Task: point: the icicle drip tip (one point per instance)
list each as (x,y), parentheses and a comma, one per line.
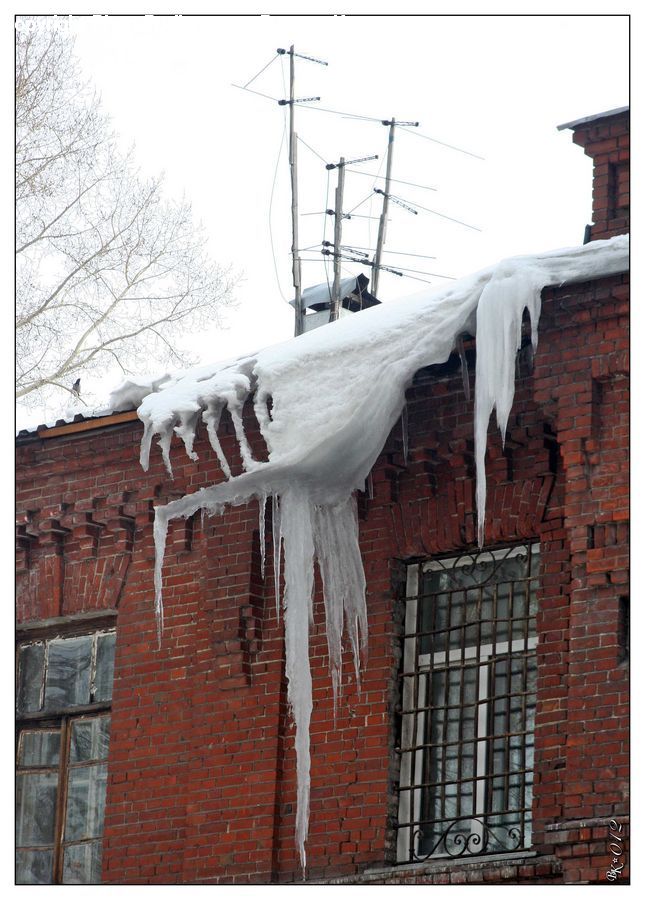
(277,549)
(160,533)
(262,503)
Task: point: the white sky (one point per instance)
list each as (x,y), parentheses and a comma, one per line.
(497,86)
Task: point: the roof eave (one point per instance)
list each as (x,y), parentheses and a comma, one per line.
(44,432)
(586,120)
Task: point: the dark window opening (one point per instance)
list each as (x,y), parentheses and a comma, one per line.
(623,629)
(618,190)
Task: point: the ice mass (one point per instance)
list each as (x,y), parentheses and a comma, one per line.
(325,403)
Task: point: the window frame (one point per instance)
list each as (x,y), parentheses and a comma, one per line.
(64,726)
(71,709)
(417,669)
(61,720)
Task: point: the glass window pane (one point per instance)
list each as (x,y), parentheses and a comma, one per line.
(39,748)
(35,808)
(31,661)
(534,585)
(34,866)
(90,739)
(82,863)
(104,666)
(68,673)
(85,802)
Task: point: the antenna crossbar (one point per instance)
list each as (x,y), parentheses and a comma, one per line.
(351,161)
(397,201)
(291,52)
(363,262)
(299,100)
(396,122)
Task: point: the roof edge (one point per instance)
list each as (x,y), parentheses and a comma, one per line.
(44,432)
(587,119)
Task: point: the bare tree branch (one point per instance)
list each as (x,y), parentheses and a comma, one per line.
(107,269)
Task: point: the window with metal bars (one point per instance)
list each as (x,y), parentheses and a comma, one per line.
(468,705)
(63,702)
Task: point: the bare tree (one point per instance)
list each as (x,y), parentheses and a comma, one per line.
(107,269)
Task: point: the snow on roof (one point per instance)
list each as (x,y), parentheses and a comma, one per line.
(338,363)
(127,395)
(130,393)
(586,120)
(325,403)
(321,293)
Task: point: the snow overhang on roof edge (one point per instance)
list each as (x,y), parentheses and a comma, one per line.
(128,395)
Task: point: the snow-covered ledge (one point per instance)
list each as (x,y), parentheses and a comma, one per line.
(334,395)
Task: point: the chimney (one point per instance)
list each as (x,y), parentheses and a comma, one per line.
(316,300)
(605,138)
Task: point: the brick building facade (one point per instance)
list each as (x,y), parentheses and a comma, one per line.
(523,781)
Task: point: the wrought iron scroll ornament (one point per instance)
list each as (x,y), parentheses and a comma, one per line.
(482,567)
(473,844)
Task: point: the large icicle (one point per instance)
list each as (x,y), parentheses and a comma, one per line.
(277,548)
(160,533)
(499,337)
(516,285)
(298,589)
(339,558)
(262,502)
(211,416)
(325,403)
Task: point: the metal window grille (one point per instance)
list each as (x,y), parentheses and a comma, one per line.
(468,705)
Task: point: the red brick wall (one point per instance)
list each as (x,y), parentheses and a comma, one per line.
(202,764)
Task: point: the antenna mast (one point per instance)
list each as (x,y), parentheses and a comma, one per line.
(337,212)
(338,237)
(293,165)
(382,225)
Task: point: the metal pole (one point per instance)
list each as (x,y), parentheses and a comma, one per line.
(293,165)
(382,227)
(338,228)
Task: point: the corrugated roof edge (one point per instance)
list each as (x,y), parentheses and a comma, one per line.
(586,119)
(79,422)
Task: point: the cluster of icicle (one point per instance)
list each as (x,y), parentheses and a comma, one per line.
(325,403)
